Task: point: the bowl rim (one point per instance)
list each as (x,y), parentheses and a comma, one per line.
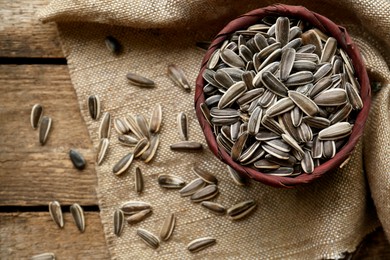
(344,41)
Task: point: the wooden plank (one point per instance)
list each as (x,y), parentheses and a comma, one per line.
(31,174)
(22,35)
(23,235)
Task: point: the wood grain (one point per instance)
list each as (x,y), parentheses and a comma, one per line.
(23,235)
(31,174)
(22,35)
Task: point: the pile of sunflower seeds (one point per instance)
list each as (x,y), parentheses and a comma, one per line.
(281,96)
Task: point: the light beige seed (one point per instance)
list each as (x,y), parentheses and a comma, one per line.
(200,244)
(204,175)
(353,97)
(286,63)
(120,126)
(56,213)
(329,50)
(336,131)
(102,150)
(239,146)
(155,119)
(214,207)
(232,94)
(282,30)
(241,209)
(138,180)
(205,193)
(177,75)
(182,124)
(44,129)
(186,146)
(119,222)
(273,84)
(132,207)
(331,97)
(93,103)
(149,238)
(192,187)
(44,256)
(139,81)
(231,58)
(168,227)
(149,154)
(170,181)
(36,115)
(304,103)
(78,216)
(139,216)
(128,140)
(123,164)
(105,126)
(141,147)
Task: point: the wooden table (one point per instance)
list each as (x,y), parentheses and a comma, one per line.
(33,70)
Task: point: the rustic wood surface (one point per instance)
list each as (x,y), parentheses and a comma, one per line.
(32,175)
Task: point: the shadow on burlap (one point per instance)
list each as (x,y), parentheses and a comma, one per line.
(322,219)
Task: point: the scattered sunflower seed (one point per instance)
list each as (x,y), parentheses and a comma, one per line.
(102,150)
(200,244)
(204,175)
(170,181)
(123,164)
(138,180)
(182,123)
(242,209)
(149,238)
(56,213)
(119,222)
(78,216)
(36,115)
(140,81)
(139,216)
(44,256)
(94,106)
(214,207)
(192,187)
(177,75)
(113,44)
(105,126)
(44,129)
(168,227)
(132,207)
(186,146)
(206,193)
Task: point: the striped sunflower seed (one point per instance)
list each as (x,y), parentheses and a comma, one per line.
(132,207)
(204,175)
(312,38)
(329,50)
(170,181)
(123,164)
(120,126)
(329,149)
(182,123)
(139,216)
(192,187)
(317,149)
(133,126)
(56,213)
(303,102)
(214,59)
(299,78)
(105,126)
(94,106)
(281,106)
(200,244)
(241,210)
(354,97)
(140,81)
(36,115)
(141,147)
(232,94)
(119,222)
(113,45)
(206,193)
(102,150)
(336,131)
(127,140)
(44,129)
(296,116)
(273,84)
(186,146)
(149,154)
(44,256)
(239,146)
(78,216)
(176,74)
(216,208)
(286,63)
(255,121)
(231,58)
(307,163)
(236,177)
(149,238)
(155,119)
(323,71)
(206,112)
(142,125)
(266,164)
(138,180)
(167,227)
(282,30)
(331,97)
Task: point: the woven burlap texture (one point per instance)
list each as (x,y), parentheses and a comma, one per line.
(322,219)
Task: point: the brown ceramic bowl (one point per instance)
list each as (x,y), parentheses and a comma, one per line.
(344,41)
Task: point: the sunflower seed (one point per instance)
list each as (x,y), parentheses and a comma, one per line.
(282,29)
(286,63)
(214,59)
(296,116)
(44,256)
(102,150)
(123,164)
(305,133)
(120,126)
(44,129)
(321,85)
(301,56)
(140,81)
(295,32)
(317,150)
(78,216)
(292,142)
(77,159)
(281,106)
(141,147)
(279,144)
(242,209)
(272,67)
(238,146)
(304,103)
(307,163)
(323,71)
(149,154)
(216,208)
(139,216)
(113,44)
(267,51)
(336,131)
(186,146)
(312,38)
(132,207)
(273,84)
(223,78)
(331,97)
(176,74)
(182,124)
(127,140)
(105,126)
(251,152)
(299,78)
(206,193)
(245,53)
(254,121)
(281,172)
(272,125)
(199,244)
(266,100)
(275,152)
(258,27)
(294,44)
(353,97)
(274,56)
(192,187)
(232,94)
(138,180)
(204,175)
(250,96)
(119,217)
(170,181)
(168,227)
(142,125)
(133,126)
(231,58)
(329,149)
(304,65)
(149,238)
(36,115)
(56,213)
(341,114)
(237,177)
(329,50)
(260,41)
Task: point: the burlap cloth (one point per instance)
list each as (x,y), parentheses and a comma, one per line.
(319,220)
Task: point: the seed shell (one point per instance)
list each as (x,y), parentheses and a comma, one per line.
(200,244)
(192,187)
(123,164)
(56,213)
(304,103)
(36,115)
(132,207)
(149,154)
(149,238)
(206,193)
(138,180)
(105,126)
(139,216)
(176,74)
(119,222)
(182,123)
(78,216)
(140,81)
(168,227)
(214,207)
(170,181)
(204,175)
(113,44)
(44,129)
(242,209)
(155,119)
(102,150)
(141,147)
